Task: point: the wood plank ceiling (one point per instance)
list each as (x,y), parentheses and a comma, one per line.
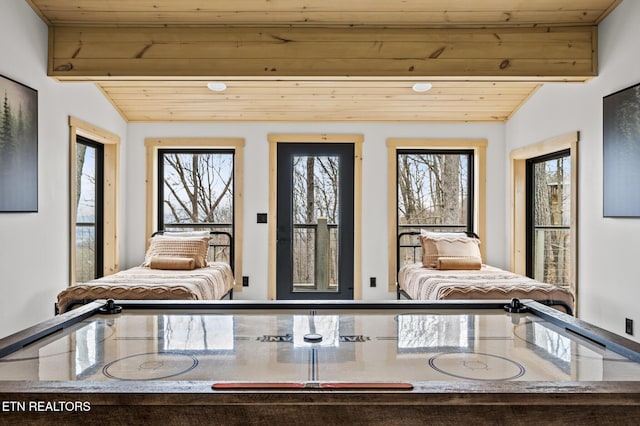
(330,60)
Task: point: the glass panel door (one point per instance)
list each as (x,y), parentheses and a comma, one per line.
(549,222)
(315,221)
(88,229)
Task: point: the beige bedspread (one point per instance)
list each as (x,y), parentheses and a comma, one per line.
(140,283)
(488,283)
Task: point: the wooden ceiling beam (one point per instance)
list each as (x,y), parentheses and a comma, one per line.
(556,53)
(386,13)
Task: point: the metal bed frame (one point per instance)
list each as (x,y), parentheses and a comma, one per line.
(231,246)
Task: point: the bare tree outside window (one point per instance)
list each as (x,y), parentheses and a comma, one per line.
(551,215)
(433,194)
(315,204)
(197,193)
(86,213)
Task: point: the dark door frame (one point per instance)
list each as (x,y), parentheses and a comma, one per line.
(530,203)
(284,225)
(99,207)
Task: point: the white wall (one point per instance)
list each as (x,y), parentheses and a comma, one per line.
(256,190)
(609,283)
(34,247)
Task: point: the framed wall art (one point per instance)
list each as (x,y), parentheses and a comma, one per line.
(18,147)
(621,153)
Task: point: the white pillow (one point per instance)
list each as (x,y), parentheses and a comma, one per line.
(447,244)
(191,247)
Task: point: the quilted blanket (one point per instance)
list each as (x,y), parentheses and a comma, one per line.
(488,283)
(141,283)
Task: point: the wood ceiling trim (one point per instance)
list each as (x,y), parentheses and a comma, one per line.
(123,113)
(557,52)
(326,13)
(316,116)
(299,60)
(608,10)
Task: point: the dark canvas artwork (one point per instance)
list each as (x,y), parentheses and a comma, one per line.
(18,147)
(621,151)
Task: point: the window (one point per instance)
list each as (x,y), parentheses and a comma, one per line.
(549,218)
(544,200)
(93,201)
(195,192)
(436,185)
(196,184)
(434,192)
(89,209)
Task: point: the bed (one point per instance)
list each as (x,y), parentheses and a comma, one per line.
(177,266)
(469,279)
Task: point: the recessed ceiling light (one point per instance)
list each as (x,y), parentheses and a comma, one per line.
(421,87)
(217,86)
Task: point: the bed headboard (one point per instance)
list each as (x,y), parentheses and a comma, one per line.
(413,252)
(221,246)
(413,249)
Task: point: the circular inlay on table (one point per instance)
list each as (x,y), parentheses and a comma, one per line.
(476,366)
(150,366)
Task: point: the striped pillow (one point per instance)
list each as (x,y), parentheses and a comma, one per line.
(195,248)
(437,245)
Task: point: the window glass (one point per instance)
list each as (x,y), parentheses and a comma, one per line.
(434,192)
(550,210)
(316,208)
(196,193)
(88,211)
